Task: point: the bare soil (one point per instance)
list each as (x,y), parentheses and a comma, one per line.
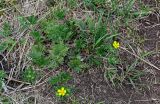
(92,87)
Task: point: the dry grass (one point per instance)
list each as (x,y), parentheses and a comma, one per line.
(93,87)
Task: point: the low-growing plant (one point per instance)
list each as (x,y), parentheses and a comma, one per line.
(29,75)
(59,13)
(112,60)
(37,55)
(99,2)
(59,83)
(2,76)
(37,36)
(5,100)
(77,64)
(23,22)
(55,31)
(84,43)
(72,3)
(62,91)
(61,78)
(7,44)
(32,19)
(120,76)
(6,30)
(57,54)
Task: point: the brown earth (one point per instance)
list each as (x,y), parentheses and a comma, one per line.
(93,88)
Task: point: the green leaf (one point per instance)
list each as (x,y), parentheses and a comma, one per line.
(57,32)
(112,59)
(91,24)
(81,24)
(106,37)
(80,44)
(29,75)
(101,51)
(37,55)
(62,77)
(23,22)
(59,13)
(32,19)
(3,46)
(99,2)
(36,35)
(6,30)
(7,44)
(141,13)
(72,3)
(5,100)
(2,74)
(57,54)
(94,61)
(76,64)
(129,5)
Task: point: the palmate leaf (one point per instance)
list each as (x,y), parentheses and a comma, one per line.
(62,77)
(77,65)
(58,52)
(37,55)
(6,30)
(56,32)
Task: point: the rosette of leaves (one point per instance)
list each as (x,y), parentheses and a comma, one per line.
(77,64)
(56,32)
(37,55)
(57,54)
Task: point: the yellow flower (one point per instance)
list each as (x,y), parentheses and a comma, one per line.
(116,44)
(62,91)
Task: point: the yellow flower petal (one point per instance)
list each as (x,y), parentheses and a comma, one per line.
(116,44)
(61,92)
(62,88)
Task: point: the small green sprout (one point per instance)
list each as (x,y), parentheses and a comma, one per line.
(29,75)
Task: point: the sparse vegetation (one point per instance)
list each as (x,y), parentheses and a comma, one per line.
(73,47)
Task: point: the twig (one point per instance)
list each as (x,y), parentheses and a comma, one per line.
(147,62)
(15,80)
